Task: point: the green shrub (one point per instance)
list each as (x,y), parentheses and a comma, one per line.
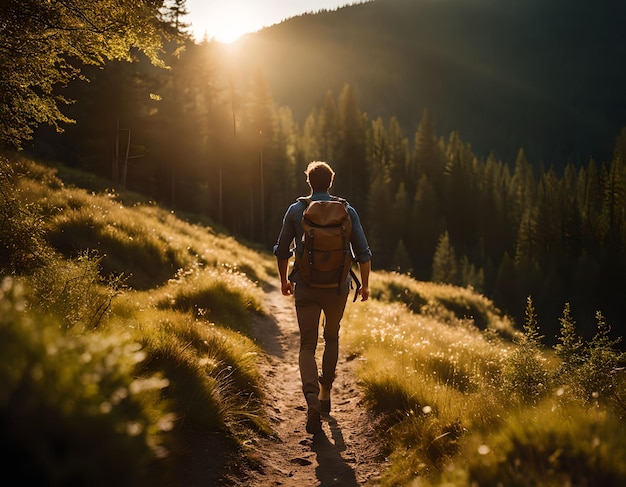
(74,290)
(22,244)
(590,370)
(525,373)
(72,412)
(552,446)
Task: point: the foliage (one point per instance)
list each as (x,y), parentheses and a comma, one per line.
(456,407)
(44,44)
(552,446)
(79,342)
(71,400)
(525,372)
(592,370)
(74,290)
(22,245)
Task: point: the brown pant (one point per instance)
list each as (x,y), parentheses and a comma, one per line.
(310,302)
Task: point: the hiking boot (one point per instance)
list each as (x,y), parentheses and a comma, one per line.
(324,398)
(313,415)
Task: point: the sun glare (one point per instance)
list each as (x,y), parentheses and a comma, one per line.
(227,25)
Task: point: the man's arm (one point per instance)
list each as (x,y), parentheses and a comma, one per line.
(364,270)
(286,287)
(283,252)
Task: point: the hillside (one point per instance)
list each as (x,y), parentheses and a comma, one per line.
(180,366)
(545,76)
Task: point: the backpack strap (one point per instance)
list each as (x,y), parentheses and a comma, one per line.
(358,284)
(305,200)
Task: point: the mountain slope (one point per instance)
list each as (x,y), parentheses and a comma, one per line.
(545,76)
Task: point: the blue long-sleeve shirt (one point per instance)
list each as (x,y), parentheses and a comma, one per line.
(292,231)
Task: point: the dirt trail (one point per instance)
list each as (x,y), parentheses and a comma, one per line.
(345,452)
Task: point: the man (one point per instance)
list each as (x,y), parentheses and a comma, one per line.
(312,301)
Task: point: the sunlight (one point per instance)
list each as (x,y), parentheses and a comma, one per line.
(228,23)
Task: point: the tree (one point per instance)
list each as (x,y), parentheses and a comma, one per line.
(521,188)
(570,350)
(525,373)
(351,158)
(445,266)
(425,225)
(328,129)
(400,260)
(380,226)
(615,193)
(427,157)
(44,45)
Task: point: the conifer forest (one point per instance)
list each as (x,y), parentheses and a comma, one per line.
(201,139)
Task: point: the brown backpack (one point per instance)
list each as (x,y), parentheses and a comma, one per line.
(326,259)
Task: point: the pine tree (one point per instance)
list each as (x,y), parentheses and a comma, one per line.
(400,260)
(571,349)
(521,188)
(614,207)
(398,156)
(328,129)
(549,225)
(351,158)
(427,158)
(425,226)
(400,209)
(526,259)
(379,162)
(380,233)
(525,373)
(445,266)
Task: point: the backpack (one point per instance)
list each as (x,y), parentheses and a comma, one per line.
(326,258)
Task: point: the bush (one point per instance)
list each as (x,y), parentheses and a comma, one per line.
(591,370)
(71,410)
(525,373)
(74,290)
(22,246)
(551,446)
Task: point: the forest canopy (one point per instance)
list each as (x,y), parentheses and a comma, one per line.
(46,44)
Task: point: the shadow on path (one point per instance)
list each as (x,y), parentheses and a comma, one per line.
(332,469)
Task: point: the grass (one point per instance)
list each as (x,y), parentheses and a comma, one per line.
(135,320)
(123,322)
(460,404)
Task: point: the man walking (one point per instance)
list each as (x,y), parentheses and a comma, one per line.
(311,300)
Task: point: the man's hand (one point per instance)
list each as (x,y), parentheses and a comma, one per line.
(365,293)
(286,287)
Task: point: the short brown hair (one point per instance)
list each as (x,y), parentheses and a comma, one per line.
(319,175)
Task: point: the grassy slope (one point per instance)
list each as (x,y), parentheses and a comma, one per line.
(162,310)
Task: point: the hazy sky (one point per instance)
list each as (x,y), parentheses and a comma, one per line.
(226,20)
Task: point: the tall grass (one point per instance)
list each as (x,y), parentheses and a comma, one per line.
(130,332)
(460,404)
(69,401)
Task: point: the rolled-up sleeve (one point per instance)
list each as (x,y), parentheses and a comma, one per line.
(360,247)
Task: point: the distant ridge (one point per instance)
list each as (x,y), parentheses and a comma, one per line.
(548,76)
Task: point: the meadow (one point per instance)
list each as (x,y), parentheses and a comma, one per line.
(125,327)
